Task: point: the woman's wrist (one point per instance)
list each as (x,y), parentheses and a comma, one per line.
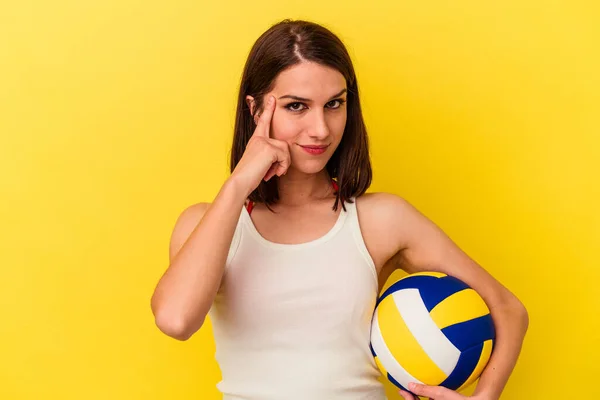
(235,187)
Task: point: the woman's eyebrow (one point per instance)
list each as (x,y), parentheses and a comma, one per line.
(290,96)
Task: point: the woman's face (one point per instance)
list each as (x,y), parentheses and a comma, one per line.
(310,114)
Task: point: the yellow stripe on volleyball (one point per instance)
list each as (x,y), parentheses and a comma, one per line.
(429,273)
(393,278)
(403,345)
(486,353)
(460,307)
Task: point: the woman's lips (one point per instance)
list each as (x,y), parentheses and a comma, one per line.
(314,150)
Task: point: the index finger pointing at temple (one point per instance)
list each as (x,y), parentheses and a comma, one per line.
(263,127)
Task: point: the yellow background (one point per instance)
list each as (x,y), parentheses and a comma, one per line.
(117,114)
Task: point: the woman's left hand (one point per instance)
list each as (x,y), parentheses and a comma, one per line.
(433,392)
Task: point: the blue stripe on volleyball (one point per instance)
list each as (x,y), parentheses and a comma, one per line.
(432,295)
(464,367)
(470,333)
(372,351)
(433,290)
(395,382)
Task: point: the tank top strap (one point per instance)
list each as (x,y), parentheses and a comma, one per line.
(250,204)
(353,225)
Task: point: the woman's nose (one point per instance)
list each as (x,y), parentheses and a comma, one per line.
(319,128)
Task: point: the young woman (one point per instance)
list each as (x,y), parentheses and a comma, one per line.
(289,257)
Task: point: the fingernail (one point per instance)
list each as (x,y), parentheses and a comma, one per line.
(412,386)
(270,100)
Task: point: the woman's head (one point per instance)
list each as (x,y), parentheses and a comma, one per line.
(308,70)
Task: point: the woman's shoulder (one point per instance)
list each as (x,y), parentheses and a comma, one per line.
(382,205)
(384,212)
(191,214)
(391,218)
(383,219)
(185,223)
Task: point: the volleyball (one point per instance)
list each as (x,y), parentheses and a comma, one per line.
(433,329)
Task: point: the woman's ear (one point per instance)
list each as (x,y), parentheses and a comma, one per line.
(251,105)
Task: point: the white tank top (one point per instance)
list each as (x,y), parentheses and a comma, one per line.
(293,321)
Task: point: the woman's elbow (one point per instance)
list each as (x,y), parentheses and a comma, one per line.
(523,314)
(517,310)
(174,325)
(173,329)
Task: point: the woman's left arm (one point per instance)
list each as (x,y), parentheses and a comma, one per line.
(423,246)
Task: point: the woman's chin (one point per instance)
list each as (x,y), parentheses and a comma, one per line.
(309,168)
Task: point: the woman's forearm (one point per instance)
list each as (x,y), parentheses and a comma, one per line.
(511,321)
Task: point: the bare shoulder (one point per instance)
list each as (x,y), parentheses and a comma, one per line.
(184,225)
(385,210)
(382,203)
(383,218)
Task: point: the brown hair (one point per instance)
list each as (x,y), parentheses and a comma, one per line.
(285,44)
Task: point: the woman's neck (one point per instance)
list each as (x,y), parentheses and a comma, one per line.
(298,189)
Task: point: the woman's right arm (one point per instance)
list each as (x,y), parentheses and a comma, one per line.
(203,234)
(198,250)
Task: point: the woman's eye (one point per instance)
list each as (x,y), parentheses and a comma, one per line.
(339,103)
(294,106)
(333,104)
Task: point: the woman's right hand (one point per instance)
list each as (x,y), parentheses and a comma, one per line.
(264,156)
